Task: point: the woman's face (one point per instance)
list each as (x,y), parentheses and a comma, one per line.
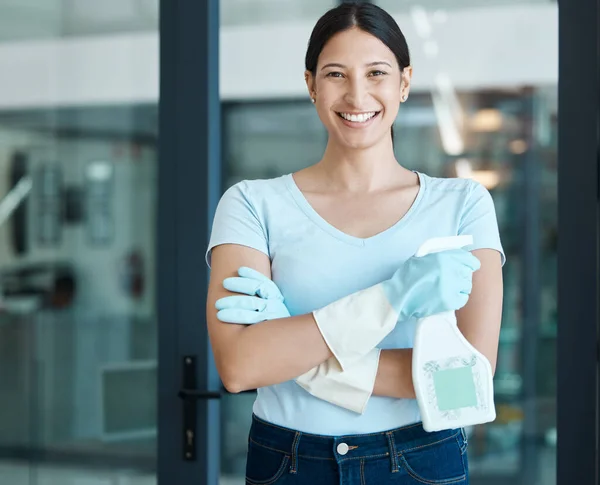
(358,88)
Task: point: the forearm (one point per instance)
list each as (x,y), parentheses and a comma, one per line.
(272,352)
(394,375)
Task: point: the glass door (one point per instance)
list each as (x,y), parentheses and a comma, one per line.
(78,206)
(483,105)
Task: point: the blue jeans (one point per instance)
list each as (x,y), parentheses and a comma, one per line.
(403,456)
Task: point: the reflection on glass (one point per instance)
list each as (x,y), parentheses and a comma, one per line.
(270,139)
(78,343)
(500,145)
(256,12)
(460,122)
(495,153)
(438,7)
(40,19)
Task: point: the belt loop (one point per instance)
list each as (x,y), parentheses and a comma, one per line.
(465,441)
(295,444)
(393,452)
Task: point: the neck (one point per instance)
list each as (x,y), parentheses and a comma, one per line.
(361,170)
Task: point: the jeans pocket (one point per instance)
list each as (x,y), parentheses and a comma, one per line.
(439,463)
(264,466)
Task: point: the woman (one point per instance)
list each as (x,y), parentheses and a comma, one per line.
(332,361)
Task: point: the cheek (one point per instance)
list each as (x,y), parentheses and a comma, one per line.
(390,94)
(323,112)
(327,95)
(325,100)
(390,97)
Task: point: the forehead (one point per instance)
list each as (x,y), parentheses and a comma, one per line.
(355,46)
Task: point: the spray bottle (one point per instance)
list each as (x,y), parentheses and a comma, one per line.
(453,381)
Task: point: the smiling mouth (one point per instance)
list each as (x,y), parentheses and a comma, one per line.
(359,118)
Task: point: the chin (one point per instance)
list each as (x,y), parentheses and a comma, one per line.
(357,139)
(360,142)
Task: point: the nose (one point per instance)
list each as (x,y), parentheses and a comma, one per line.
(357,92)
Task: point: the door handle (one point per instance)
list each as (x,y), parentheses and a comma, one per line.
(190,395)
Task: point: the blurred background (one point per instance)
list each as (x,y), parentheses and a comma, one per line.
(78,201)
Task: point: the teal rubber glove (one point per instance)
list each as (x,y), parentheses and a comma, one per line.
(354,325)
(431,284)
(422,286)
(260,299)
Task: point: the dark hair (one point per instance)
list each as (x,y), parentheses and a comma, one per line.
(367,17)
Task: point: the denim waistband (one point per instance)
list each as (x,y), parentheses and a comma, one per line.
(349,447)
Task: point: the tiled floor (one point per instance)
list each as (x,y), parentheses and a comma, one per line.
(14,473)
(20,474)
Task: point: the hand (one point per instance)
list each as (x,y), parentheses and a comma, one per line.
(262,299)
(431,284)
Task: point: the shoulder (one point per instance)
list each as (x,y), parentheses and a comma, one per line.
(242,214)
(256,190)
(252,195)
(459,195)
(451,185)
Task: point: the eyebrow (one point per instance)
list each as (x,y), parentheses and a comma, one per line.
(370,64)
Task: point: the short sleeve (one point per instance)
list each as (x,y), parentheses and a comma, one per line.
(479,220)
(236,221)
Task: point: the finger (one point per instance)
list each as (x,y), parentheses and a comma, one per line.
(462,301)
(475,263)
(267,288)
(252,287)
(467,287)
(470,261)
(244,317)
(246,272)
(269,291)
(241,302)
(241,285)
(464,257)
(464,272)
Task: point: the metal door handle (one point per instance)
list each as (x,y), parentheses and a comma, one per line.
(190,396)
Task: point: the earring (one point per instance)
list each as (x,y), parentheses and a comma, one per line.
(313,100)
(404,98)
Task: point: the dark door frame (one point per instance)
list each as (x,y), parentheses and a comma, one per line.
(578,241)
(188,188)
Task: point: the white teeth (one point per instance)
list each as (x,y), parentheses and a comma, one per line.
(359,118)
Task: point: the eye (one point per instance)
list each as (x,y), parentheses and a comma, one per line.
(335,74)
(377,73)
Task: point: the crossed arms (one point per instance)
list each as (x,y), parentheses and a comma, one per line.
(275,351)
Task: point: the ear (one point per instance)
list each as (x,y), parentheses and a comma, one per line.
(310,84)
(405,80)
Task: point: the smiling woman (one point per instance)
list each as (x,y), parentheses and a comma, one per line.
(315,291)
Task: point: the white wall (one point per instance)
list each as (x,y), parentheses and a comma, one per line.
(477,48)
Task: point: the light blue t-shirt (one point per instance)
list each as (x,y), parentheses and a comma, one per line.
(315,264)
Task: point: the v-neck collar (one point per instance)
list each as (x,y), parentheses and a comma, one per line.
(312,214)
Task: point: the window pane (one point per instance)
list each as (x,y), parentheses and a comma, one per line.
(51,19)
(483,105)
(78,135)
(490,112)
(399,6)
(256,12)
